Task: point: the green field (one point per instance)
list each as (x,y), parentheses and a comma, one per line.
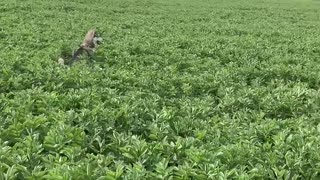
(180,89)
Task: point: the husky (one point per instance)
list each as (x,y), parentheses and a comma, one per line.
(89,46)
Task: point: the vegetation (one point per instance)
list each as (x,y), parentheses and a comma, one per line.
(180,89)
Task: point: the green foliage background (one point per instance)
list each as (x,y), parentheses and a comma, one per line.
(180,89)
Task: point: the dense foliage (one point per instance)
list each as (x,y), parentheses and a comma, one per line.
(180,89)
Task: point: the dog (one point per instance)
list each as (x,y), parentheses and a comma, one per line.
(89,46)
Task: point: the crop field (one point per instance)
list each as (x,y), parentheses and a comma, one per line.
(179,89)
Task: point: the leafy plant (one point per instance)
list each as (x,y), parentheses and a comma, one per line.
(179,89)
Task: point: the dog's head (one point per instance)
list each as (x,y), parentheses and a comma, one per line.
(97,40)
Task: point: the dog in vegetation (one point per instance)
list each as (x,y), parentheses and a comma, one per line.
(89,46)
